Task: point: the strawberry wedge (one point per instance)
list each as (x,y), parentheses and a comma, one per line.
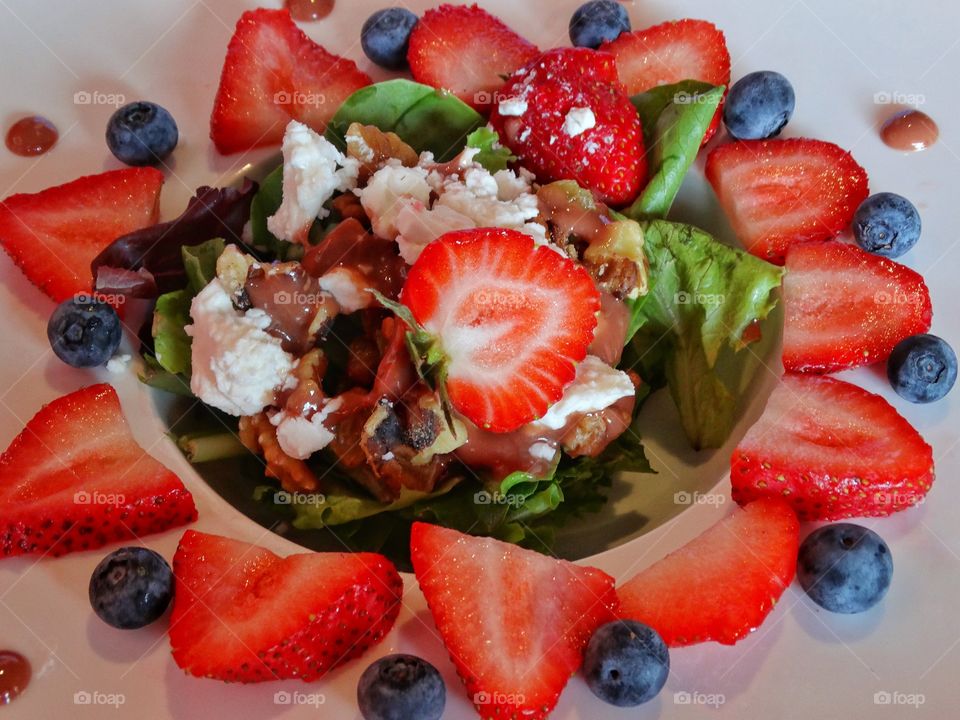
(777,193)
(844,307)
(244,614)
(75,479)
(466,50)
(55,234)
(507,322)
(721,585)
(274,73)
(833,451)
(515,622)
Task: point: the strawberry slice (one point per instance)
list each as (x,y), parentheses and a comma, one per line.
(466,50)
(780,192)
(722,584)
(515,622)
(565,116)
(510,319)
(844,307)
(833,450)
(274,73)
(669,53)
(55,234)
(243,614)
(75,479)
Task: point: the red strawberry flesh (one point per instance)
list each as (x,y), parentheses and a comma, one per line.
(274,73)
(721,585)
(242,613)
(845,307)
(513,320)
(515,622)
(466,50)
(777,193)
(55,234)
(75,479)
(833,451)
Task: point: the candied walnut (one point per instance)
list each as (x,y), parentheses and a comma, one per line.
(615,275)
(260,436)
(373,147)
(348,206)
(307,397)
(594,431)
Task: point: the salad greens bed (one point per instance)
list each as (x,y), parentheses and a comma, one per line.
(686,334)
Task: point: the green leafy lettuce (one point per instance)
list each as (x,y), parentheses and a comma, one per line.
(492,156)
(692,324)
(169,366)
(424,117)
(674,118)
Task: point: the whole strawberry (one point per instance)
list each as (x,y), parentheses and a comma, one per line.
(567,116)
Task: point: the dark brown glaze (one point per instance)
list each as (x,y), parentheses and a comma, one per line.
(376,261)
(611,333)
(309,10)
(31,136)
(292,299)
(909,131)
(15,674)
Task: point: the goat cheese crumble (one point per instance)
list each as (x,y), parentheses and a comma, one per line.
(597,386)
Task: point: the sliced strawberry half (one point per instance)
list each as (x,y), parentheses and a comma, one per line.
(515,622)
(844,307)
(780,192)
(670,53)
(566,116)
(466,50)
(510,321)
(832,450)
(55,234)
(274,73)
(75,479)
(243,614)
(721,585)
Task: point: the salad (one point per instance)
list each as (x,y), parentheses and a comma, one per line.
(433,324)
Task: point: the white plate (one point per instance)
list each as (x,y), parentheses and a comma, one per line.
(801,663)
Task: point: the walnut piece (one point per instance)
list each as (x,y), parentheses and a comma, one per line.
(373,147)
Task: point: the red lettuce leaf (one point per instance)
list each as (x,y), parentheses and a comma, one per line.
(148,262)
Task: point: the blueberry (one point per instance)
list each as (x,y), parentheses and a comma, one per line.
(385,37)
(626,663)
(758,105)
(598,21)
(886,224)
(131,587)
(401,687)
(922,368)
(844,568)
(141,133)
(84,331)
